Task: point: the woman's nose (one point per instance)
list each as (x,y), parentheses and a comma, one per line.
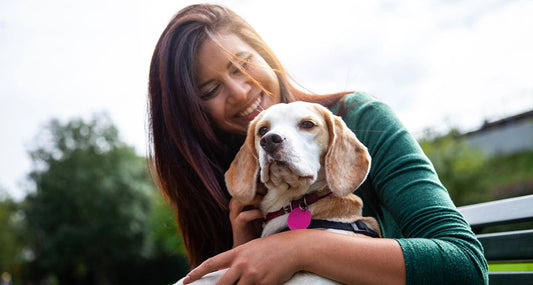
(238,89)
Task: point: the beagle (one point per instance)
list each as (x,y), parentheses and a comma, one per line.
(310,163)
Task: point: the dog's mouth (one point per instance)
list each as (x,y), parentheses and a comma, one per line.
(277,171)
(306,180)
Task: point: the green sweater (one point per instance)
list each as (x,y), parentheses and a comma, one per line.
(406,196)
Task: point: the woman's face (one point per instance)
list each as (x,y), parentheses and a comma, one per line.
(230,84)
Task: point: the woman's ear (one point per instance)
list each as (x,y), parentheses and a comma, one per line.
(347,160)
(241,177)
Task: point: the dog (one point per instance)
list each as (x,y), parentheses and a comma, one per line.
(310,163)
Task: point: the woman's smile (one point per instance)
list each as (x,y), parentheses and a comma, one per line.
(252,108)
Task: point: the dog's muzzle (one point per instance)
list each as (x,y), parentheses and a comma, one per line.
(271,142)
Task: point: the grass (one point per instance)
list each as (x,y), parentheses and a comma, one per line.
(493,267)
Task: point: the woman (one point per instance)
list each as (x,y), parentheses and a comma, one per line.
(210,75)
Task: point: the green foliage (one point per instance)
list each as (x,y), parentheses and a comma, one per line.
(510,175)
(92,210)
(472,177)
(11,239)
(164,235)
(460,168)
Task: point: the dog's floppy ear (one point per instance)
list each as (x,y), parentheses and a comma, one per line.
(347,160)
(241,177)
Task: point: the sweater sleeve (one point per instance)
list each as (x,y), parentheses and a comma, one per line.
(438,244)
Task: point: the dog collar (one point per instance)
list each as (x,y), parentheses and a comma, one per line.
(358,227)
(301,203)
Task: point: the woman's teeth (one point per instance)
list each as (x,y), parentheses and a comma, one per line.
(250,109)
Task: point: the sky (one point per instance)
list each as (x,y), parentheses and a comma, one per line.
(438,64)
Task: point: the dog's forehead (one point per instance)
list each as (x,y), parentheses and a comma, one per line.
(291,112)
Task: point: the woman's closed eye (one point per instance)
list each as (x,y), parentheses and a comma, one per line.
(210,91)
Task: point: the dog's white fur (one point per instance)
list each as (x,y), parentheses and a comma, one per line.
(314,152)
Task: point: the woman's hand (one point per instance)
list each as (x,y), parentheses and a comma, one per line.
(269,260)
(246,220)
(275,259)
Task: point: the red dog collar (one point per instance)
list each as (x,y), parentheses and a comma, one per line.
(301,203)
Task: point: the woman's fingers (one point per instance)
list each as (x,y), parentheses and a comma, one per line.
(212,264)
(246,220)
(242,217)
(248,216)
(269,260)
(236,206)
(241,214)
(230,277)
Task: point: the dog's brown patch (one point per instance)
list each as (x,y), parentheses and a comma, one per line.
(348,207)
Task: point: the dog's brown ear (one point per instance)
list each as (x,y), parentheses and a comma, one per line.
(347,160)
(241,177)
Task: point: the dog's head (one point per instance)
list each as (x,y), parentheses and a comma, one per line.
(292,145)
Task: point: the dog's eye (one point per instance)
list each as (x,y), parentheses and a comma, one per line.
(307,124)
(262,131)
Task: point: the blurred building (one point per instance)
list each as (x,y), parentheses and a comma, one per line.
(505,136)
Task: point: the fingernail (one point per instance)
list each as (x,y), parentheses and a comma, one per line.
(186,279)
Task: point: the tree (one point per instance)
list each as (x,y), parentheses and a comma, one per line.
(11,238)
(89,211)
(164,238)
(461,169)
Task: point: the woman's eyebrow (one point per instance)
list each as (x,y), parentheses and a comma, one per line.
(238,56)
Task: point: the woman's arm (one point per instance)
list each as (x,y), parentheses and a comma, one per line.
(415,208)
(274,259)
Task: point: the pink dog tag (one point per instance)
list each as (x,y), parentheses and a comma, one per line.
(299,219)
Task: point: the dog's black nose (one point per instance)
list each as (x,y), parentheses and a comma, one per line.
(271,142)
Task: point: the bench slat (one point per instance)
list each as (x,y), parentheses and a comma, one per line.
(516,245)
(514,277)
(497,212)
(509,246)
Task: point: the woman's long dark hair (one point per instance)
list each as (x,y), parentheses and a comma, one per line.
(187,155)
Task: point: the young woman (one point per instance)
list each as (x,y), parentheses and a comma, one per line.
(210,75)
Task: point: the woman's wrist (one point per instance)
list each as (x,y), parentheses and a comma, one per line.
(335,255)
(302,244)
